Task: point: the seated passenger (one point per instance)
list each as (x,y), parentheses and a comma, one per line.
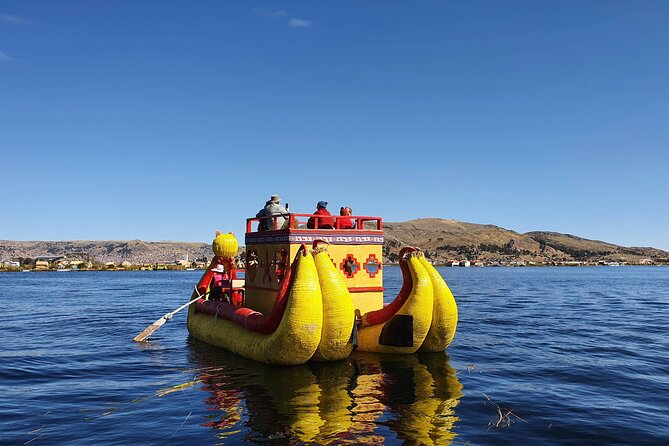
(272,208)
(345,222)
(216,284)
(325,220)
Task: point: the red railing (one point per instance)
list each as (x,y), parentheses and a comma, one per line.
(293,222)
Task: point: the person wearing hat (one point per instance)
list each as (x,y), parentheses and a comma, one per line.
(272,208)
(325,220)
(216,285)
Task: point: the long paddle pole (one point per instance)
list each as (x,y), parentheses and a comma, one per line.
(148,331)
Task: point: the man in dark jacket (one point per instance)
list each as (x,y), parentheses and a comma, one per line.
(325,220)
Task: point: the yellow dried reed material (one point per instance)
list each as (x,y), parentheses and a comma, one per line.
(444,312)
(293,342)
(418,307)
(338,311)
(225,245)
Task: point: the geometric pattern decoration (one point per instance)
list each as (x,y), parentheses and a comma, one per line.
(252,264)
(344,237)
(372,265)
(350,266)
(265,269)
(280,263)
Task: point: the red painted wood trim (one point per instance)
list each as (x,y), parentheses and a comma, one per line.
(359,289)
(362,289)
(302,231)
(384,314)
(360,220)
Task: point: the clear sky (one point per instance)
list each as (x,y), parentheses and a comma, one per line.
(164,120)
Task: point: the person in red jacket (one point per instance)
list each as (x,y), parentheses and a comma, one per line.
(345,222)
(325,220)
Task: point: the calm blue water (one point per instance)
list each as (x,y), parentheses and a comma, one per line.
(578,355)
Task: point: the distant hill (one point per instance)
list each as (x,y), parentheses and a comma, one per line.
(134,251)
(442,241)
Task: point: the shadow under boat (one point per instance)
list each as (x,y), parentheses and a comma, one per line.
(365,399)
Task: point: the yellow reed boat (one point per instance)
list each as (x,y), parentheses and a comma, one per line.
(317,294)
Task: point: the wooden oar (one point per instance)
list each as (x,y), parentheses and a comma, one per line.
(148,331)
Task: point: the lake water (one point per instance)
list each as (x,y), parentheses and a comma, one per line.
(541,356)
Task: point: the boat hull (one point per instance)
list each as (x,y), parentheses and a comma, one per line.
(405,330)
(444,312)
(313,316)
(293,342)
(338,312)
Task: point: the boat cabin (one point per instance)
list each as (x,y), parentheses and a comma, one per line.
(356,252)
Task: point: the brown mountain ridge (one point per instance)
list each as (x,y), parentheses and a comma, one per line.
(443,241)
(450,240)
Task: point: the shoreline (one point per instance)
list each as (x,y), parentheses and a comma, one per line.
(393,265)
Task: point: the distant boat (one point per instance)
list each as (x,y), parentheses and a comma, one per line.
(62,269)
(190,269)
(25,270)
(613,264)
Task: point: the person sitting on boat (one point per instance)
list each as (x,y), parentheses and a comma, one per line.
(216,285)
(325,220)
(345,222)
(272,208)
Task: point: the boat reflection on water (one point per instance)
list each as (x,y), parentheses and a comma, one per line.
(415,395)
(364,399)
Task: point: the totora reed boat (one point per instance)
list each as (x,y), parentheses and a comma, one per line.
(317,294)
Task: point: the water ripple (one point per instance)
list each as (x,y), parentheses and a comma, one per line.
(579,355)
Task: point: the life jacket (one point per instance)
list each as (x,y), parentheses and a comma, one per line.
(217,280)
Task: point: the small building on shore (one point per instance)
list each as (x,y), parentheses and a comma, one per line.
(41,265)
(185,263)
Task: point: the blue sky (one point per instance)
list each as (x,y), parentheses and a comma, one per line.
(163,120)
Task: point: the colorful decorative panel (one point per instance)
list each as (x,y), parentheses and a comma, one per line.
(265,266)
(280,263)
(328,235)
(372,265)
(350,266)
(252,265)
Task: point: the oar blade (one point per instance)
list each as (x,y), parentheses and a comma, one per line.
(159,323)
(148,331)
